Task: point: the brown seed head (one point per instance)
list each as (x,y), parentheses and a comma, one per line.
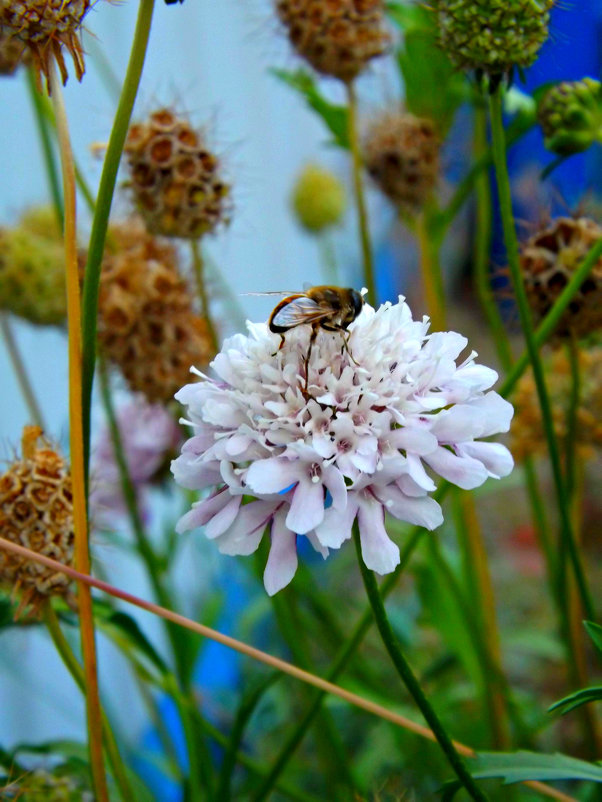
(13,52)
(36,511)
(401,153)
(548,260)
(175,179)
(146,321)
(337,37)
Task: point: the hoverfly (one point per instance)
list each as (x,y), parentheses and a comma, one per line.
(323,307)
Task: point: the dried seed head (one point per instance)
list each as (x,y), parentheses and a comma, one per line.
(175,178)
(548,260)
(146,321)
(13,52)
(492,36)
(318,198)
(570,115)
(36,511)
(337,37)
(401,153)
(32,269)
(527,430)
(46,27)
(42,786)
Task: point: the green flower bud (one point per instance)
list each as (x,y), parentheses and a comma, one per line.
(570,115)
(492,36)
(318,198)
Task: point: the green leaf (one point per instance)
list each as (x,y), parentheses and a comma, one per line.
(514,767)
(595,633)
(334,117)
(577,699)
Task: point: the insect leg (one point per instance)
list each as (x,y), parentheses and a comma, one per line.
(312,339)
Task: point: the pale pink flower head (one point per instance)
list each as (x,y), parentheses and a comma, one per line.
(364,439)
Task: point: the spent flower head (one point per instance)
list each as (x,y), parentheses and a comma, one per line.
(360,441)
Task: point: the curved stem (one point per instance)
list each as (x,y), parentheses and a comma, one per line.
(199,270)
(511,242)
(103,207)
(76,440)
(20,371)
(360,200)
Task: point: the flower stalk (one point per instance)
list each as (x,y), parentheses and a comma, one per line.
(20,371)
(198,266)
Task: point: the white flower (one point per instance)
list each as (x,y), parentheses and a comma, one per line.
(366,438)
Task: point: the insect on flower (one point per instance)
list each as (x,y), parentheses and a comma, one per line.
(323,307)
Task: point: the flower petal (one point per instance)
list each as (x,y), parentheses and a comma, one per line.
(495,457)
(464,472)
(378,551)
(282,560)
(273,474)
(244,535)
(335,529)
(307,507)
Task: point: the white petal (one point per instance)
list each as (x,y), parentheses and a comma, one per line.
(497,414)
(245,533)
(420,511)
(335,484)
(223,519)
(307,507)
(282,561)
(495,457)
(274,474)
(464,472)
(378,551)
(203,511)
(418,474)
(335,529)
(413,440)
(461,422)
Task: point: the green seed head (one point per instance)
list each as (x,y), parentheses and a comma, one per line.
(570,115)
(492,36)
(318,198)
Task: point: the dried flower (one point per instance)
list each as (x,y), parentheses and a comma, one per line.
(46,27)
(32,269)
(318,198)
(147,325)
(354,446)
(548,260)
(36,511)
(337,38)
(175,178)
(570,114)
(527,431)
(13,52)
(492,36)
(401,153)
(150,438)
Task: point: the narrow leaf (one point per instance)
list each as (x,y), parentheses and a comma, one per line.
(577,699)
(595,633)
(515,767)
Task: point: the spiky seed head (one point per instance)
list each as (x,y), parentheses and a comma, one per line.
(401,154)
(46,27)
(318,198)
(13,52)
(548,260)
(147,325)
(570,115)
(175,178)
(337,37)
(32,269)
(36,511)
(492,36)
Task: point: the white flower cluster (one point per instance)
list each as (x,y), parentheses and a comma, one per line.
(355,445)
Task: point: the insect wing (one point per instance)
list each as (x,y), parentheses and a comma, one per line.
(299,311)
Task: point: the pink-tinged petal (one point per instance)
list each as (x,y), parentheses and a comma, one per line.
(223,519)
(408,486)
(237,443)
(419,511)
(249,525)
(464,472)
(495,457)
(203,511)
(461,422)
(191,472)
(317,546)
(497,414)
(378,551)
(273,475)
(282,561)
(334,482)
(200,441)
(418,474)
(335,529)
(307,507)
(414,441)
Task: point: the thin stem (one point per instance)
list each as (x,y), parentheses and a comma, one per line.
(73,667)
(80,523)
(256,654)
(38,103)
(409,680)
(199,270)
(572,418)
(329,256)
(430,266)
(360,200)
(20,371)
(511,242)
(103,207)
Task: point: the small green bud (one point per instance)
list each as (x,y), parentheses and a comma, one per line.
(318,198)
(570,115)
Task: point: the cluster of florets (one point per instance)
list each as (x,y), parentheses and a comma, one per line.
(13,52)
(336,38)
(147,325)
(36,511)
(401,154)
(528,436)
(308,455)
(548,260)
(492,36)
(570,115)
(318,198)
(32,269)
(174,177)
(46,27)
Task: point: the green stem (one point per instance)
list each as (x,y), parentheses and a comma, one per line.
(511,242)
(20,371)
(103,207)
(430,266)
(52,172)
(408,678)
(199,270)
(360,200)
(74,668)
(198,768)
(572,418)
(329,256)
